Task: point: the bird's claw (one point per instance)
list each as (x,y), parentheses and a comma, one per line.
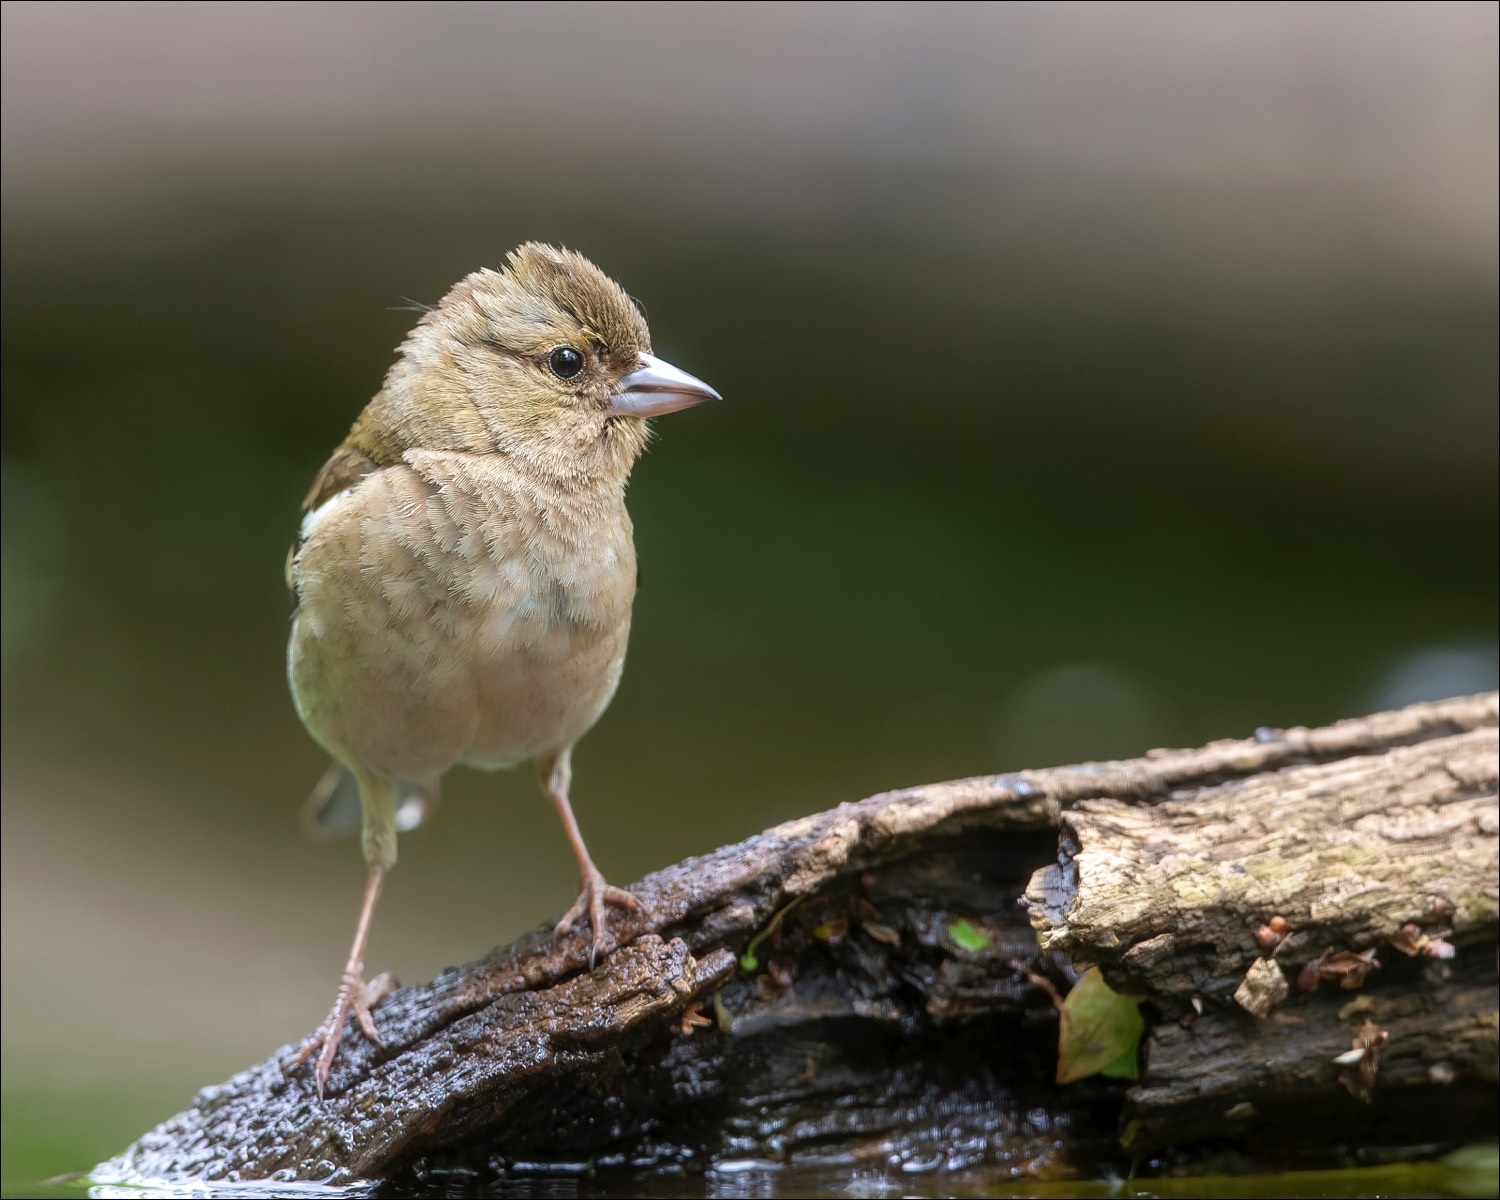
(356,998)
(593,894)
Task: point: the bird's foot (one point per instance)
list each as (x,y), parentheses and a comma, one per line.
(593,894)
(355,997)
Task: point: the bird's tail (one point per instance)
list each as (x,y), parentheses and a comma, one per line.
(333,809)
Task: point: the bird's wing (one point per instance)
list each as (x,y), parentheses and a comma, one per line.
(346,467)
(333,809)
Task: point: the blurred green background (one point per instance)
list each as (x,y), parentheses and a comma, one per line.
(1096,377)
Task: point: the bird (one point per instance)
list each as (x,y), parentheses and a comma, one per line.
(465,568)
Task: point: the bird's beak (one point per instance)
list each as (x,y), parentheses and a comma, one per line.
(656,388)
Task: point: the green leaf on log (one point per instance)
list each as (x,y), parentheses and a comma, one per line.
(966,937)
(1099,1032)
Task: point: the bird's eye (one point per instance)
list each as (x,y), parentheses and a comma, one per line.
(565,362)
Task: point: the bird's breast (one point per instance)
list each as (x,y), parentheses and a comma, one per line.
(461,616)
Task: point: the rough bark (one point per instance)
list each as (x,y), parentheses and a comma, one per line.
(1168,899)
(876,1030)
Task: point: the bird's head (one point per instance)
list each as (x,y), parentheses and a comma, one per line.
(547,360)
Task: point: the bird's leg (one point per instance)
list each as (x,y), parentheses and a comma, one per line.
(377,795)
(355,995)
(593,892)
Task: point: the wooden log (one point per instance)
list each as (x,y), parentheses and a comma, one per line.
(862,976)
(1356,861)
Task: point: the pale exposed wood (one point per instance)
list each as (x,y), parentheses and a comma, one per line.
(1168,897)
(1347,852)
